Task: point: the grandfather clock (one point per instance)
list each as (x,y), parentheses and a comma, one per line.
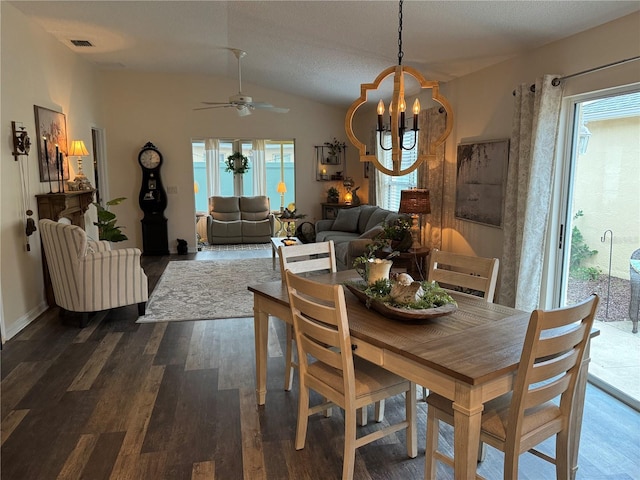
(153,202)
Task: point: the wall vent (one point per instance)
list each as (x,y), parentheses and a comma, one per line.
(81,43)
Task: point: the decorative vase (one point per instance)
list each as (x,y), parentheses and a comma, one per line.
(375,269)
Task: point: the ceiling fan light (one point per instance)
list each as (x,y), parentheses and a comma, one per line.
(243,110)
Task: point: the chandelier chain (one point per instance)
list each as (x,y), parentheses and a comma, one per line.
(400,52)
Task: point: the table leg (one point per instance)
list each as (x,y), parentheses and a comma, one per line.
(467,415)
(578,410)
(273,254)
(261,330)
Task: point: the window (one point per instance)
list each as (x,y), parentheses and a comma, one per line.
(270,162)
(389,187)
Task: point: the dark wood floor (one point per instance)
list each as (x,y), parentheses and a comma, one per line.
(122,400)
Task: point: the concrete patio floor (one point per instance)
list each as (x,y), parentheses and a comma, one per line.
(615,360)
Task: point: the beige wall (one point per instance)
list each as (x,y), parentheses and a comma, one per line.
(144,107)
(36,70)
(482,104)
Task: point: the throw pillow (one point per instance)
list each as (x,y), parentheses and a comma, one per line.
(372,232)
(347,220)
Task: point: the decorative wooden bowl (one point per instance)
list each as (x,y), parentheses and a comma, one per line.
(403,314)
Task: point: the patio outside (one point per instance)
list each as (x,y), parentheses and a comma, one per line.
(605,231)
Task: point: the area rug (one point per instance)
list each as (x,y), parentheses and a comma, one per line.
(240,246)
(207,289)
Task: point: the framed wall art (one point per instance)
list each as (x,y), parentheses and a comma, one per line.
(481,177)
(51,130)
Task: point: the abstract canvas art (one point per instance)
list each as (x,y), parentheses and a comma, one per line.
(480,181)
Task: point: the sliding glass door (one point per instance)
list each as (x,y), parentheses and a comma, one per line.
(600,230)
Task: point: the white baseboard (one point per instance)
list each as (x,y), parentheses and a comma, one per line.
(17,326)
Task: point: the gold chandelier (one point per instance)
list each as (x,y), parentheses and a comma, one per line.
(397,122)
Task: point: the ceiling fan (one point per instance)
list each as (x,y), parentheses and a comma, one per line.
(244,104)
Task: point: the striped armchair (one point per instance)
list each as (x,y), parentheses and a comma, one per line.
(88,276)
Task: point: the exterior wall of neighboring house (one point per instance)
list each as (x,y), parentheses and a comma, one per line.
(606,189)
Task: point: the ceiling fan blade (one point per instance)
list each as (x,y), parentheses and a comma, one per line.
(278,110)
(221,105)
(216,103)
(269,107)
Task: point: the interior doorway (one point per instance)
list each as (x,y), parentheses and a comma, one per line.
(601,229)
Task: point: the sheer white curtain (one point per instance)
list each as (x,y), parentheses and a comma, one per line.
(212,158)
(259,168)
(381,179)
(528,197)
(431,175)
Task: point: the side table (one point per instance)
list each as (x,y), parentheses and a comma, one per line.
(413,260)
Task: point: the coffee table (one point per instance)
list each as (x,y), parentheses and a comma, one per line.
(276,242)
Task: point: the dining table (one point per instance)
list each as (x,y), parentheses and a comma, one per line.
(469,356)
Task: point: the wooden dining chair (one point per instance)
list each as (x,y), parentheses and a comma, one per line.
(516,422)
(305,258)
(477,274)
(321,328)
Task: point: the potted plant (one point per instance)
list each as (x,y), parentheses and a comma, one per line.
(107,228)
(335,148)
(397,235)
(333,195)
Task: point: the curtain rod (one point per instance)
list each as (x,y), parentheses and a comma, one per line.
(556,81)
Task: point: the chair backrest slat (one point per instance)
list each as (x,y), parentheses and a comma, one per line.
(321,326)
(309,257)
(551,359)
(475,273)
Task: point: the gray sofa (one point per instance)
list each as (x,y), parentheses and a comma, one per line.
(239,220)
(352,230)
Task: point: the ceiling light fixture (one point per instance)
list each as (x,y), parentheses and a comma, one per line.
(397,121)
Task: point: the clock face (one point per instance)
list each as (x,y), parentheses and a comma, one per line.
(149,159)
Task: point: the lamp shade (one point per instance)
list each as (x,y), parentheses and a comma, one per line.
(78,149)
(282,188)
(415,200)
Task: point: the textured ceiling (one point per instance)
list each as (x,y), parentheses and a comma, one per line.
(321,50)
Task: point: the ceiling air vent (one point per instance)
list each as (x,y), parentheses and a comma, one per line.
(81,43)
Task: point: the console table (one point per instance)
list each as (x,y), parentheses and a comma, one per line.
(54,206)
(330,210)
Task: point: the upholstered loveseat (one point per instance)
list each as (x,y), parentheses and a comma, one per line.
(239,220)
(352,230)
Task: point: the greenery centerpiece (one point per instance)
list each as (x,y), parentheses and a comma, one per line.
(402,298)
(237,163)
(107,228)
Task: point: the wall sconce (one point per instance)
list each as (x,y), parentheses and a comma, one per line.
(583,139)
(398,106)
(21,140)
(416,203)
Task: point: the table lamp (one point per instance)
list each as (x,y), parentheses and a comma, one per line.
(79,150)
(416,203)
(281,189)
